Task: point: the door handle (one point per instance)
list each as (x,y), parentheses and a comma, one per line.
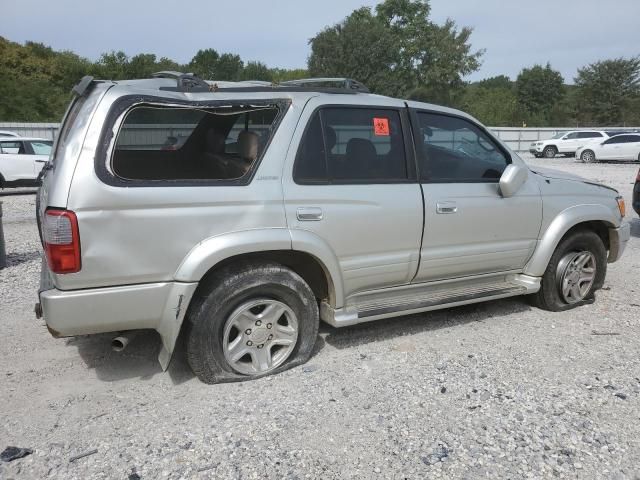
(309,214)
(446,207)
(42,161)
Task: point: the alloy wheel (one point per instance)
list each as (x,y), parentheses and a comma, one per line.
(575,275)
(259,336)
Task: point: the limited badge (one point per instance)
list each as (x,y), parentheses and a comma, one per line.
(381,127)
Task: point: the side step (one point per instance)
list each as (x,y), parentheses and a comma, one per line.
(422,298)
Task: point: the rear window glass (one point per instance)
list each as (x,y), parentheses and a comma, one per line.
(179,143)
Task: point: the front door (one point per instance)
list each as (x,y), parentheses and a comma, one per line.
(611,149)
(470,229)
(354,190)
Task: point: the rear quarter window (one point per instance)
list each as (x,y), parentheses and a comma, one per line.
(167,143)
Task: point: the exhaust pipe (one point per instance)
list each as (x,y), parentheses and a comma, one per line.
(119,343)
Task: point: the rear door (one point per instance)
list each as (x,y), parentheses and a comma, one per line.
(354,190)
(15,163)
(629,148)
(611,149)
(40,150)
(470,229)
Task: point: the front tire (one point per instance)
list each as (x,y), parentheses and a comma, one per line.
(254,320)
(550,152)
(576,270)
(588,156)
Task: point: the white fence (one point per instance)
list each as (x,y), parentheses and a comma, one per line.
(518,139)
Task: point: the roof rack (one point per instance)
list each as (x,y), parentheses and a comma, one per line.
(188,82)
(346,83)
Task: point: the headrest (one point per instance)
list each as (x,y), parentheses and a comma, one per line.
(248,145)
(361,149)
(215,141)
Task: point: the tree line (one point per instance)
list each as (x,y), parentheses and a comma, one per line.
(395,49)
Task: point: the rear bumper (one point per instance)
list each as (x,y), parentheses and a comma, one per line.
(100,310)
(157,306)
(618,238)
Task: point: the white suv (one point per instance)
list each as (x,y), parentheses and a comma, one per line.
(566,143)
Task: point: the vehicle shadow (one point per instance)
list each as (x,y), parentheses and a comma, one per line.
(635,227)
(409,325)
(140,358)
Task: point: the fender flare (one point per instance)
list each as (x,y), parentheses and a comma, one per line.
(560,225)
(211,251)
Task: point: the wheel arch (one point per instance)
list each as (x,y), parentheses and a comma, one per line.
(596,218)
(305,253)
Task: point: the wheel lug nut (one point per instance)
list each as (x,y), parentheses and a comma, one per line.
(248,331)
(258,323)
(270,337)
(260,346)
(249,343)
(269,325)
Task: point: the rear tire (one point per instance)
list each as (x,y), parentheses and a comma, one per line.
(550,152)
(252,320)
(576,270)
(588,156)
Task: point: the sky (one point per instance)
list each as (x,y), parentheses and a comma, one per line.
(514,33)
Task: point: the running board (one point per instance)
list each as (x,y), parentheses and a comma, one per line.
(425,298)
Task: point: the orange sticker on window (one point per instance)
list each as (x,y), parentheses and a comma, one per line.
(381,127)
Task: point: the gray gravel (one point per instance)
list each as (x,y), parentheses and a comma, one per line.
(496,390)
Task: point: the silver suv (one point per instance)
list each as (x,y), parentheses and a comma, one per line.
(293,203)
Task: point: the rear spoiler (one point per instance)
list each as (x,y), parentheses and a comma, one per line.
(83,86)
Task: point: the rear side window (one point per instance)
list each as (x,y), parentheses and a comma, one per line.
(41,148)
(456,150)
(352,145)
(12,147)
(589,135)
(183,143)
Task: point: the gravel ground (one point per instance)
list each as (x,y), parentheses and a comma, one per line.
(495,390)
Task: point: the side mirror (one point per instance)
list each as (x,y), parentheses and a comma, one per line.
(512,179)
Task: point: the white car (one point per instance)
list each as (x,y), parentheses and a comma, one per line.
(618,147)
(7,133)
(21,160)
(566,143)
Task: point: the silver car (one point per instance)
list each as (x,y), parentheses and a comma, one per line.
(290,204)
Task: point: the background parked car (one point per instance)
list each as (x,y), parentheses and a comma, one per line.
(620,147)
(6,133)
(21,160)
(565,143)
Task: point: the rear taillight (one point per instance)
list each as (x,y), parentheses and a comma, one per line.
(61,241)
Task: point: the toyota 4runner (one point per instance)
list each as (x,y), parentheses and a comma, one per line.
(293,203)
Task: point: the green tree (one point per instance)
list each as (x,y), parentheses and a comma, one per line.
(396,50)
(495,106)
(257,71)
(205,63)
(499,81)
(608,91)
(283,74)
(229,67)
(538,90)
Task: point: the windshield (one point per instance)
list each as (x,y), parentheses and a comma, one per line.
(558,135)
